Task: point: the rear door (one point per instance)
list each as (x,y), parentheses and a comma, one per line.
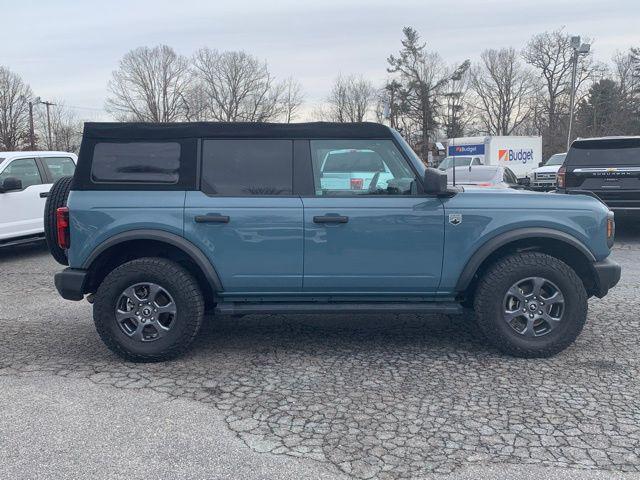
(22,211)
(386,238)
(610,168)
(245,216)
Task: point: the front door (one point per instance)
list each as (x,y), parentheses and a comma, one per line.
(245,217)
(21,211)
(371,231)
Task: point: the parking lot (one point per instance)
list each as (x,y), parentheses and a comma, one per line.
(394,396)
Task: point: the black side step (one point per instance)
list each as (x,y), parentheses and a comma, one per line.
(242,308)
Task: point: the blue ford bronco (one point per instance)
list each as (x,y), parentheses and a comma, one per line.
(162,222)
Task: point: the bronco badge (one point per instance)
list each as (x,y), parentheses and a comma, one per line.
(455,218)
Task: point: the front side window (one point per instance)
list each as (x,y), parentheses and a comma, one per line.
(60,167)
(24,169)
(136,162)
(247,167)
(360,167)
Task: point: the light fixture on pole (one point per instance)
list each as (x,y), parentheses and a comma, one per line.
(578,49)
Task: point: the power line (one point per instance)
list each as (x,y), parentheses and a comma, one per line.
(95,109)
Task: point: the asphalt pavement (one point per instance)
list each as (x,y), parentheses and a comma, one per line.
(340,396)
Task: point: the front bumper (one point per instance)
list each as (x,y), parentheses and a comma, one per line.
(70,283)
(607,276)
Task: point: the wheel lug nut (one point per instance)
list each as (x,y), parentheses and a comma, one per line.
(540,312)
(531,315)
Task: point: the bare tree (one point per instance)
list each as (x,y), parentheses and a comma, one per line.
(550,53)
(292,99)
(626,73)
(66,128)
(423,77)
(238,86)
(504,88)
(351,99)
(14,110)
(149,85)
(460,112)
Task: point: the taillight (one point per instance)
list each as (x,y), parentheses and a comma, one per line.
(561,176)
(357,183)
(62,227)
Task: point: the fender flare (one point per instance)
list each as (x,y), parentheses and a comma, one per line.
(490,246)
(193,252)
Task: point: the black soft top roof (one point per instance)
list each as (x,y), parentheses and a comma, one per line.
(140,131)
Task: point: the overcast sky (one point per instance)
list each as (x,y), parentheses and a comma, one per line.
(67,49)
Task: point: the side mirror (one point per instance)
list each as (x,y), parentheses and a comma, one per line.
(435,181)
(541,164)
(10,184)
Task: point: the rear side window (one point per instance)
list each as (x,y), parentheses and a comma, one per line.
(136,162)
(247,167)
(60,167)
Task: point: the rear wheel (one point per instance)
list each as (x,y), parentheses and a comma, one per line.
(148,310)
(531,305)
(57,198)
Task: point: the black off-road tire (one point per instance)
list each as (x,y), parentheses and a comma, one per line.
(489,304)
(57,198)
(177,281)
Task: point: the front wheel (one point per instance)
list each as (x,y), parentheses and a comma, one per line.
(531,305)
(148,309)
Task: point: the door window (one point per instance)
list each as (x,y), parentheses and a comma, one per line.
(360,167)
(24,169)
(60,167)
(242,168)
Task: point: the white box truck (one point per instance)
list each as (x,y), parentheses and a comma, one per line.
(520,154)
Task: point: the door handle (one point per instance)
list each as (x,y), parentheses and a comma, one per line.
(44,194)
(330,219)
(211,218)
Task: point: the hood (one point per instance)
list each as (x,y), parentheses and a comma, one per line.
(528,199)
(547,169)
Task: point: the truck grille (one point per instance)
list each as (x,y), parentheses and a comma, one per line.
(546,176)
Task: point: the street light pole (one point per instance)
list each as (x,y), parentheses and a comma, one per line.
(32,135)
(578,49)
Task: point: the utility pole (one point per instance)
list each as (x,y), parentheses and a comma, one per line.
(48,104)
(578,49)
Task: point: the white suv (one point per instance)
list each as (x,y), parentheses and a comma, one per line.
(25,180)
(544,177)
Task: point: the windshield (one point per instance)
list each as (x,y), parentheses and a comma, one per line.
(460,162)
(557,159)
(413,157)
